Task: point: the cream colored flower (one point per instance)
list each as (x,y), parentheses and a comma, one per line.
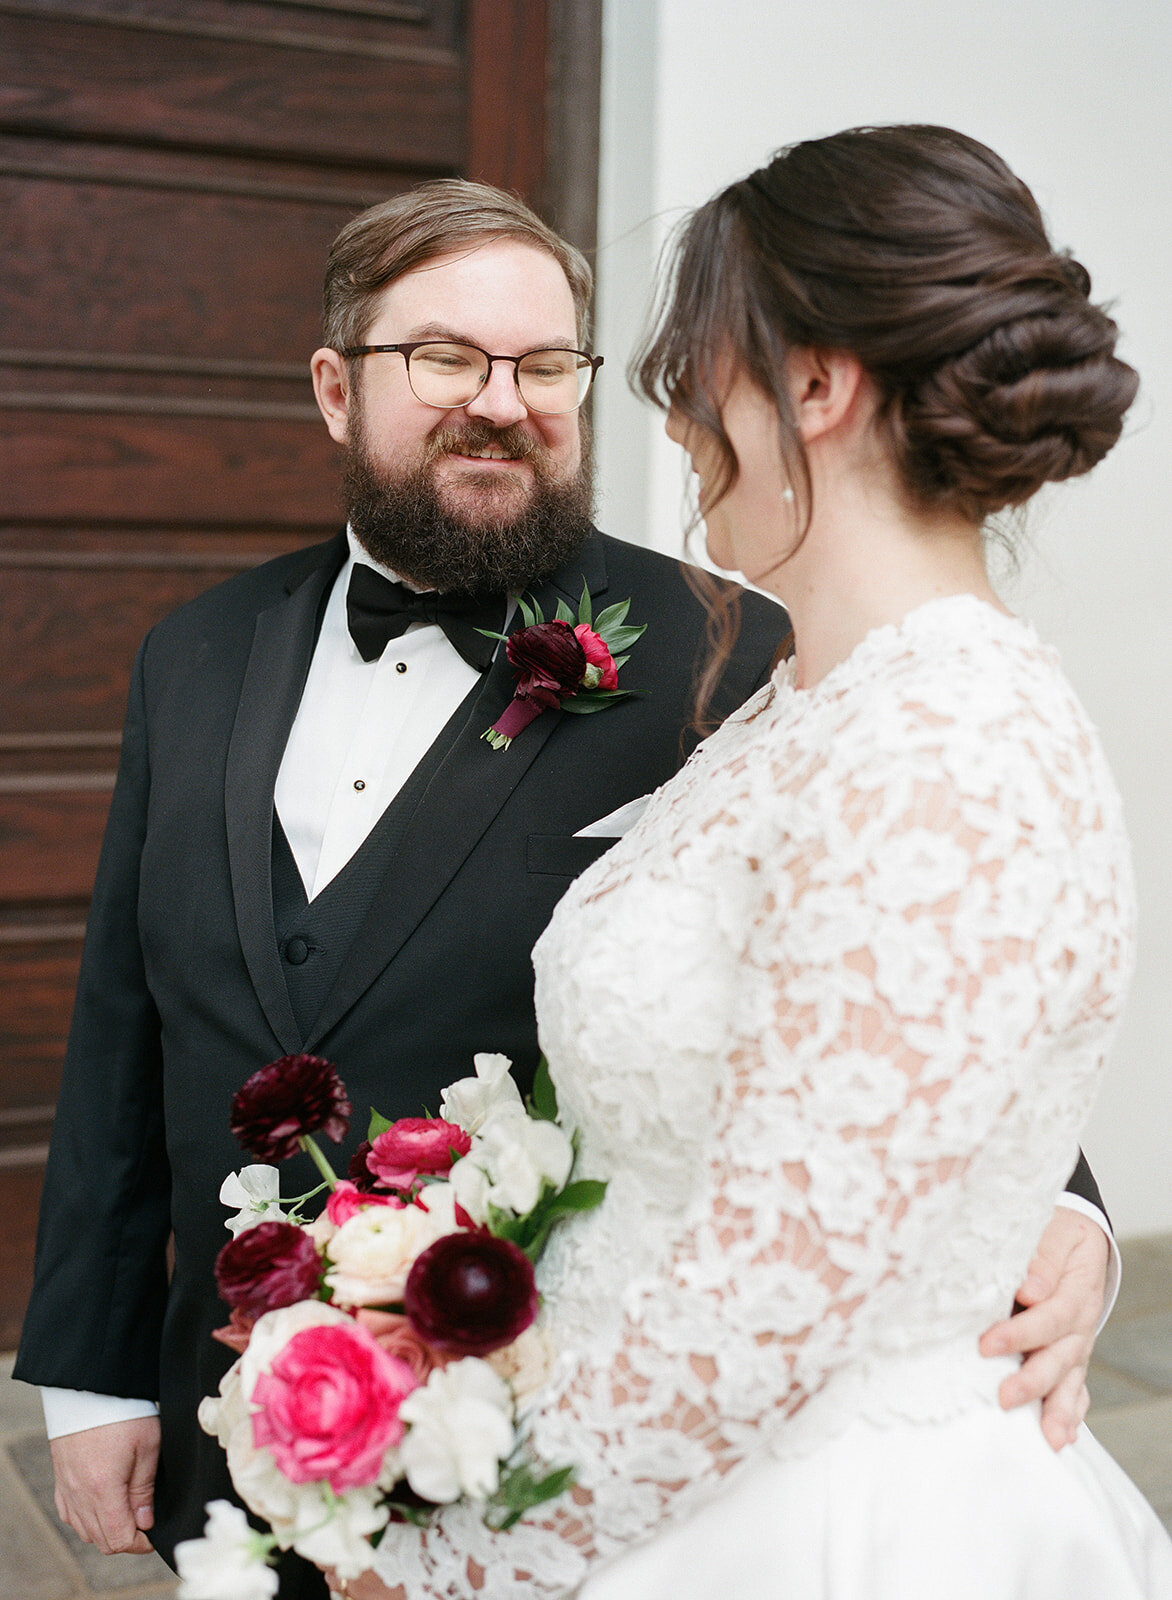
(372,1254)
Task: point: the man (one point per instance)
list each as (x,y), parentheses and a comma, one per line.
(311,846)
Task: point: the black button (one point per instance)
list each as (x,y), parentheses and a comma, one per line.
(400,666)
(296,951)
(360,783)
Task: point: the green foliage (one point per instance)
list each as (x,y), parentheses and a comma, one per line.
(520,1490)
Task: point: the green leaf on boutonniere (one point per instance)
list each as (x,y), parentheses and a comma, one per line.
(378,1124)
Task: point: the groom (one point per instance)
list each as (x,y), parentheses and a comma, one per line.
(312,848)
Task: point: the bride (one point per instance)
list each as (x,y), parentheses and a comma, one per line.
(830,1018)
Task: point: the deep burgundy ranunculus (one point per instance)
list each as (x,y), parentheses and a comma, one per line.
(358,1172)
(470,1293)
(274,1264)
(551,664)
(549,659)
(288,1098)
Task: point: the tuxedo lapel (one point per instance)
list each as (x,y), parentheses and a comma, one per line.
(278,662)
(468,788)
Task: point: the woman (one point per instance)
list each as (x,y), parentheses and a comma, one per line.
(831,1017)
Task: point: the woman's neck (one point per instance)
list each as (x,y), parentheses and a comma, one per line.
(863,565)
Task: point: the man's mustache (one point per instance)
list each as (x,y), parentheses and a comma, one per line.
(473,436)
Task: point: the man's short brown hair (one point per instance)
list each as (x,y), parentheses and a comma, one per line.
(393,238)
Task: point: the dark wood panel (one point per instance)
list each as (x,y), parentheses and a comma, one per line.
(168,469)
(177,274)
(176,87)
(37,981)
(49,841)
(68,636)
(20,1196)
(507,48)
(371,27)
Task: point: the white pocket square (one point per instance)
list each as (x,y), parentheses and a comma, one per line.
(617,822)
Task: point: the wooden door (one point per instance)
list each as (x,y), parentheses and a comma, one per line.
(171,175)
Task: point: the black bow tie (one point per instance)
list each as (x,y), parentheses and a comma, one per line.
(377,610)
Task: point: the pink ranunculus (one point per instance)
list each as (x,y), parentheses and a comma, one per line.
(328,1407)
(597,655)
(398,1338)
(348,1199)
(415,1147)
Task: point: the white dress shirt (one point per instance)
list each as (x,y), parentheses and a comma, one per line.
(359,732)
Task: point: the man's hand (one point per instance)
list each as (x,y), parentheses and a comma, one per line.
(1063,1295)
(105,1483)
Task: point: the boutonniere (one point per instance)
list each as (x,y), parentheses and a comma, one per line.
(572,662)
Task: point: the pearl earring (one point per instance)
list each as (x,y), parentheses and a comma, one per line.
(787,494)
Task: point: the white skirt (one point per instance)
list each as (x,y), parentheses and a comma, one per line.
(975,1506)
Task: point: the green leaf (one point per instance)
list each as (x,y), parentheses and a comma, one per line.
(623,638)
(587,700)
(378,1124)
(519,1491)
(581,1195)
(585,609)
(564,614)
(530,613)
(612,616)
(489,634)
(544,1100)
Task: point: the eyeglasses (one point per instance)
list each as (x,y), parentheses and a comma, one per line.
(451,375)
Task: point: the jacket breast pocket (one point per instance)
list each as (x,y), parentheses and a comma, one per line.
(558,855)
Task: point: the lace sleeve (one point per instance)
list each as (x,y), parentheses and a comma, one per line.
(910,949)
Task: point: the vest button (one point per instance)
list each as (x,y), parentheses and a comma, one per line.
(296,952)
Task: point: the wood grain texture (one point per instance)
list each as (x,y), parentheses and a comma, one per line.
(183,87)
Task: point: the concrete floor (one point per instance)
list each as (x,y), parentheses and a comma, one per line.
(1131,1390)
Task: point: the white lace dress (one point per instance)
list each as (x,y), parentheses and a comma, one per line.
(829,1019)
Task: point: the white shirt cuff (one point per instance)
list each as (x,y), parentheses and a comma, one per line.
(1075,1202)
(74,1410)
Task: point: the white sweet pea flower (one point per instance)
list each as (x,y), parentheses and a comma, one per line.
(228,1563)
(471,1101)
(256,1191)
(520,1155)
(335,1531)
(470,1184)
(460,1429)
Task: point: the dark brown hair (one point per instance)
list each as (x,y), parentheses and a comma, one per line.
(916,249)
(434,219)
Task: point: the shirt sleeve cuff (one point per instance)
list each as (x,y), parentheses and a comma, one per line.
(1075,1202)
(74,1410)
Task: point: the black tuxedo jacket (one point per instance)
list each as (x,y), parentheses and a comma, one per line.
(186,986)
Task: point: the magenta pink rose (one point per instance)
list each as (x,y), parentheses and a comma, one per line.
(597,655)
(329,1406)
(415,1147)
(348,1199)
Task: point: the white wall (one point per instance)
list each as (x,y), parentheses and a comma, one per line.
(1074,94)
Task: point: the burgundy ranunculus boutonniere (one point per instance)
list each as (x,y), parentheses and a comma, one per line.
(571,662)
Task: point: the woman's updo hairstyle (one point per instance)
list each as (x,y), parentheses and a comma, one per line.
(917,250)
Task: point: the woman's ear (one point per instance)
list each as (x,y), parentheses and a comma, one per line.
(825,388)
(331,392)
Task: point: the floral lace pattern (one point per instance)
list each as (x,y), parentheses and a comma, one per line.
(830,1019)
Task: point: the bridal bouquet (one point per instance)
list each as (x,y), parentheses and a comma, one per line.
(385,1346)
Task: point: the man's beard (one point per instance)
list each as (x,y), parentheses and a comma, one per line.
(400,519)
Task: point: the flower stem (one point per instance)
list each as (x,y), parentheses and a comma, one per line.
(312,1149)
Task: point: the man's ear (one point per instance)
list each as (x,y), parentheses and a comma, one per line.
(332,392)
(825,388)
